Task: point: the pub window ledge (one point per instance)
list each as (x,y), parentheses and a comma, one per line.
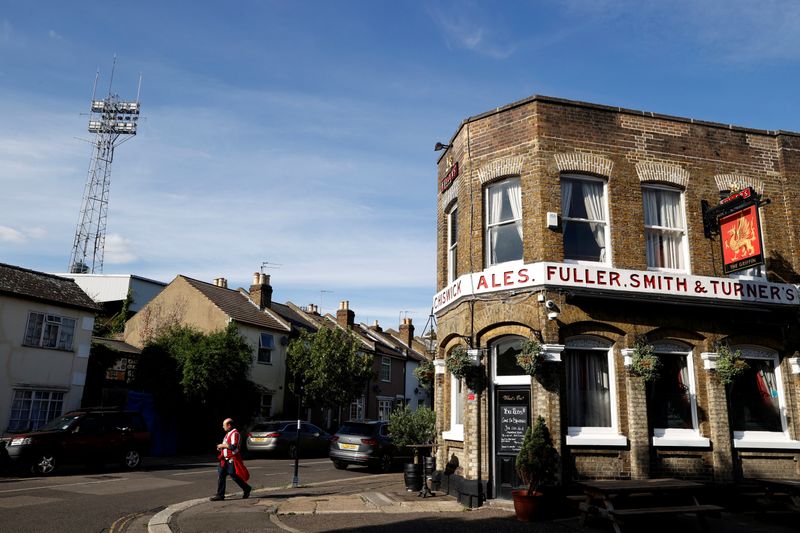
(597,440)
(682,442)
(768,443)
(456,433)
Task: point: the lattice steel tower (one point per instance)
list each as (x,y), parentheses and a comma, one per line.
(113,121)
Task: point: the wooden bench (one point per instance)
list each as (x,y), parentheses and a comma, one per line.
(782,487)
(636,499)
(678,509)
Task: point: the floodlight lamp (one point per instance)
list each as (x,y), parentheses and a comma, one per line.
(439,146)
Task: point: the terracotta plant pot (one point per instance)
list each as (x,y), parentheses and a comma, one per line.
(525,506)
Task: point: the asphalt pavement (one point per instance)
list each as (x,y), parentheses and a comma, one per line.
(379,504)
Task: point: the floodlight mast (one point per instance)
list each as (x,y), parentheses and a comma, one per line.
(113,121)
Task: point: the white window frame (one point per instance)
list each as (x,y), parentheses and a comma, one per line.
(521,379)
(678,436)
(358,405)
(597,436)
(18,396)
(766,439)
(385,404)
(386,369)
(687,266)
(456,431)
(50,320)
(265,348)
(452,243)
(487,226)
(263,404)
(606,223)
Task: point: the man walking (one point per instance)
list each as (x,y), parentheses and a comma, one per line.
(230,462)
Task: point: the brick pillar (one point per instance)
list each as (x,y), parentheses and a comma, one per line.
(546,397)
(439,395)
(638,429)
(722,449)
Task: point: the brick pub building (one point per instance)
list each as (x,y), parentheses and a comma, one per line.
(581,225)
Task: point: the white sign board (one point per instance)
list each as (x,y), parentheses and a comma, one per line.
(564,275)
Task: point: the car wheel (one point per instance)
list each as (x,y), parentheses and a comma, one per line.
(292,451)
(43,464)
(132,459)
(386,463)
(338,465)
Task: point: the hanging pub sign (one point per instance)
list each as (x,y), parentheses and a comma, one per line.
(740,236)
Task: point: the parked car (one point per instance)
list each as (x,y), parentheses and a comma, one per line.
(81,437)
(365,443)
(281,438)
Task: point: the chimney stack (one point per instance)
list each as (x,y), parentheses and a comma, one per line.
(261,291)
(312,309)
(407,332)
(221,282)
(344,316)
(376,327)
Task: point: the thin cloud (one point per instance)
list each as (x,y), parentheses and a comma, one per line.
(118,250)
(11,235)
(462,31)
(54,35)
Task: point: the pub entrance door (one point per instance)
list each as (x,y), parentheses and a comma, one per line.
(512,416)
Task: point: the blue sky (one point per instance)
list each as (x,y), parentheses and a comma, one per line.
(302,133)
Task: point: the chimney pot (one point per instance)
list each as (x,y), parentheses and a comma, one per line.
(261,291)
(255,278)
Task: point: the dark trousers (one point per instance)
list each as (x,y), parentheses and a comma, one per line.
(225,471)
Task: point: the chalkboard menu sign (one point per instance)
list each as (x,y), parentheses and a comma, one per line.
(513,418)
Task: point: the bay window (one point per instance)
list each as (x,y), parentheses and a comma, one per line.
(503,222)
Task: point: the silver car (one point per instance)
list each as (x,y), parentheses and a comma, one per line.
(281,438)
(365,443)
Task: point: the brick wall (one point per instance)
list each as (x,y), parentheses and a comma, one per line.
(540,139)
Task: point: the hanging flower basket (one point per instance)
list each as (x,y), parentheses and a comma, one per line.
(644,362)
(458,362)
(531,358)
(730,364)
(476,378)
(424,374)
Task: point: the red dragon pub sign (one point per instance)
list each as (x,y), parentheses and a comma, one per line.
(740,235)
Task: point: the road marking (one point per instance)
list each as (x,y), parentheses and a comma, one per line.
(120,523)
(57,487)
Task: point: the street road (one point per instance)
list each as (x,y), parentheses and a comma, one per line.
(79,500)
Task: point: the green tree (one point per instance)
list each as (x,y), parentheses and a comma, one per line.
(198,377)
(331,364)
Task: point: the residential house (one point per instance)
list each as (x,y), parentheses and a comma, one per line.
(46,326)
(210,307)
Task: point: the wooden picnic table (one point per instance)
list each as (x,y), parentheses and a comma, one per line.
(616,500)
(775,487)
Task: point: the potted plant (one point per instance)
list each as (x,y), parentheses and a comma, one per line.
(730,364)
(412,429)
(644,362)
(537,463)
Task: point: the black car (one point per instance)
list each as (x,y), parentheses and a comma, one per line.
(81,437)
(365,443)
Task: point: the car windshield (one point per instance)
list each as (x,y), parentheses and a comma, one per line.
(62,423)
(356,428)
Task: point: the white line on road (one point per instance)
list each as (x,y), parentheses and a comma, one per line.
(56,487)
